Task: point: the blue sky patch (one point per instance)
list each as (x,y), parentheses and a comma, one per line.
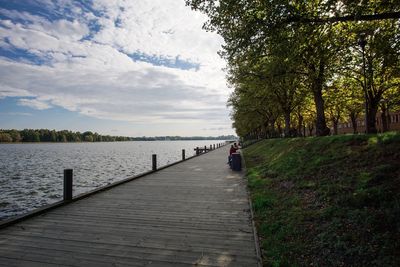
(16,54)
(57,12)
(34,8)
(165,61)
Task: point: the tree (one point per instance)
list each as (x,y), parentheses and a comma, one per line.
(390,102)
(353,104)
(320,41)
(53,136)
(335,104)
(5,137)
(15,135)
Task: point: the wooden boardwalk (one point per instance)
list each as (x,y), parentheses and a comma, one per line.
(195,213)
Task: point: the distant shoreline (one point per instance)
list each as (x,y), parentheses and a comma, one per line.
(66,136)
(84,142)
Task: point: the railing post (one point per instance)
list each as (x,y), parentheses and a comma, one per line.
(205,149)
(183,154)
(210,147)
(68,184)
(197,151)
(214,146)
(154,161)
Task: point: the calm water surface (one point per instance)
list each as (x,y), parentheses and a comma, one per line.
(31,175)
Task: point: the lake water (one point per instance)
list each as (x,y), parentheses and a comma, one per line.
(31,175)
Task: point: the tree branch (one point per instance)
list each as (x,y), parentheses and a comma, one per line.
(381,16)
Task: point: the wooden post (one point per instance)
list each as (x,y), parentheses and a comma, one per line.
(197,151)
(214,146)
(154,161)
(205,149)
(68,184)
(183,154)
(210,147)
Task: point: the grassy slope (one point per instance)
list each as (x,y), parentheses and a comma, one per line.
(327,201)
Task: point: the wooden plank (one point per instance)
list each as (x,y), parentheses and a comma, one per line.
(155,248)
(145,240)
(105,247)
(193,213)
(82,256)
(115,254)
(156,223)
(12,262)
(238,233)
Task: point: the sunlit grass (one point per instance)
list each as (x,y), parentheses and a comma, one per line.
(327,201)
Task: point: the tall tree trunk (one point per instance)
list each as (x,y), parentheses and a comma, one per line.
(320,123)
(353,118)
(384,118)
(279,129)
(335,126)
(287,123)
(321,129)
(310,129)
(273,130)
(266,130)
(371,118)
(372,99)
(300,126)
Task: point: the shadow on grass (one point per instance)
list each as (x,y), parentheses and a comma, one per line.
(327,201)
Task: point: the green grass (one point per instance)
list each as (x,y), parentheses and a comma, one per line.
(327,201)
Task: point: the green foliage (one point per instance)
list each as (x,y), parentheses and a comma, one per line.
(289,69)
(44,135)
(327,201)
(5,137)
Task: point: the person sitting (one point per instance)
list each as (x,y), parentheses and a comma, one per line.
(232,150)
(235,146)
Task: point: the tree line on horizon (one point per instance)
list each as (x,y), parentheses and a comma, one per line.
(45,135)
(308,64)
(184,138)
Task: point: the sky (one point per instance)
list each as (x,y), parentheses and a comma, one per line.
(118,67)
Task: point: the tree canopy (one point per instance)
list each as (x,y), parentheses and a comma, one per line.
(307,64)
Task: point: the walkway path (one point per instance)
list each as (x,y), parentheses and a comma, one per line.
(191,214)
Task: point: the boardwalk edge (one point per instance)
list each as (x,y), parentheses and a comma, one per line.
(255,233)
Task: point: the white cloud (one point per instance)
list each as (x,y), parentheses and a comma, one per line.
(33,103)
(11,91)
(137,95)
(96,77)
